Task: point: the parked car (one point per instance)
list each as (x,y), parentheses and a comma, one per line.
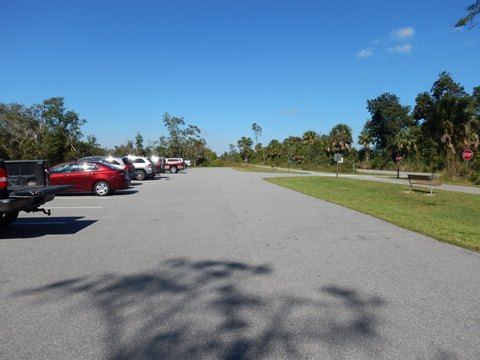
(24,186)
(188,163)
(114,160)
(174,164)
(143,167)
(158,164)
(90,176)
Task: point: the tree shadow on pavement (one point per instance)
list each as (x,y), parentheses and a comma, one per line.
(187,309)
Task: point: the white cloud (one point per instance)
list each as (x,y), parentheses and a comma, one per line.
(404,33)
(291,112)
(400,49)
(365,53)
(398,41)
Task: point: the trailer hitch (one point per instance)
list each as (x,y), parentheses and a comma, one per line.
(46,212)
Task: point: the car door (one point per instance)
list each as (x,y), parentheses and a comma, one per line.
(82,176)
(58,174)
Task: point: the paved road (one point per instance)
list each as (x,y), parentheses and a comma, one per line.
(389,176)
(219,264)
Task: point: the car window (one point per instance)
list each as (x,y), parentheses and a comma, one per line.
(86,167)
(141,161)
(62,168)
(112,166)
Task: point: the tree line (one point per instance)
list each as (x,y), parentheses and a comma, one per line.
(52,132)
(431,136)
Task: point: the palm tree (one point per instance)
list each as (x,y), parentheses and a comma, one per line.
(406,141)
(310,138)
(340,139)
(365,139)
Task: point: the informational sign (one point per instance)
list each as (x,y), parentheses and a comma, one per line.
(338,158)
(467,154)
(398,157)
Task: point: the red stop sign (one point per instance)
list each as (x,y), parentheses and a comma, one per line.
(467,154)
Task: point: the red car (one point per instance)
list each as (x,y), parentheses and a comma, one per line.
(90,176)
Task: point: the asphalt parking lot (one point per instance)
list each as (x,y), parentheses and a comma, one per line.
(219,264)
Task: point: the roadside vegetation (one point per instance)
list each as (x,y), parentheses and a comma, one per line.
(427,137)
(447,216)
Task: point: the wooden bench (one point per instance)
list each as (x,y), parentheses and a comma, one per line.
(423,179)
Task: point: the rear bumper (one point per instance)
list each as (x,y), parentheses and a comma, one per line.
(15,204)
(29,198)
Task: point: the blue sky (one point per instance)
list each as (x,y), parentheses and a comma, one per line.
(289,66)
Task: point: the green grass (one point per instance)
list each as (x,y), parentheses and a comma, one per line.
(447,216)
(274,170)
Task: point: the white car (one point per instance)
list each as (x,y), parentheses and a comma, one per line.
(187,163)
(143,167)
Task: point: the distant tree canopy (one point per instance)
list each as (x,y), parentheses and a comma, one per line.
(182,141)
(45,131)
(52,132)
(443,123)
(469,20)
(388,119)
(257,130)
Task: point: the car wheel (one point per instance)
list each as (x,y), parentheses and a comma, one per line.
(141,175)
(173,169)
(7,218)
(101,188)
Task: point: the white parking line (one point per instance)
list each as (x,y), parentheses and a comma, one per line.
(40,223)
(75,207)
(99,198)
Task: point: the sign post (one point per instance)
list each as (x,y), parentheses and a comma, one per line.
(338,159)
(398,157)
(467,155)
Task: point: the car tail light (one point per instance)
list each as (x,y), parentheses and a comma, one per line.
(3,182)
(124,174)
